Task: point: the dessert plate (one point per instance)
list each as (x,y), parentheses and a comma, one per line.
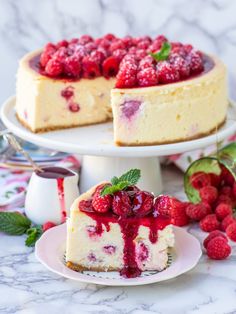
(50,251)
(97,140)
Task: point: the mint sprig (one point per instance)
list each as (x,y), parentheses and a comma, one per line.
(14,223)
(163,53)
(129,178)
(34,234)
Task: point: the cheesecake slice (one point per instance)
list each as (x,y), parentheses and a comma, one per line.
(117,232)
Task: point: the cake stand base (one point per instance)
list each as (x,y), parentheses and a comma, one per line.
(96,169)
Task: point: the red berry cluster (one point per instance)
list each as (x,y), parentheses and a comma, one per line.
(127,57)
(131,202)
(214,212)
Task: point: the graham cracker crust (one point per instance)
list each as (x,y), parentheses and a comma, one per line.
(197,136)
(58,127)
(80,268)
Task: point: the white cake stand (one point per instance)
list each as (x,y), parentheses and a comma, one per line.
(101,158)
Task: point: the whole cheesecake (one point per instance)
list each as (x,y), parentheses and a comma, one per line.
(156,91)
(120,231)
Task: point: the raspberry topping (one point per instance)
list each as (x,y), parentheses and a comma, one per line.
(121,204)
(101,204)
(142,203)
(86,57)
(218,248)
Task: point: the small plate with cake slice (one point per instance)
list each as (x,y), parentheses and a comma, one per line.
(117,235)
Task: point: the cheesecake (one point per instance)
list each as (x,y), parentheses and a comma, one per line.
(120,231)
(156,91)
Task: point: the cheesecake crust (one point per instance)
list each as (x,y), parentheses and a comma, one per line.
(80,268)
(197,136)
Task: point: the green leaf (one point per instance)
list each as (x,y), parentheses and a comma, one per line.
(14,223)
(205,164)
(114,180)
(132,176)
(34,234)
(163,53)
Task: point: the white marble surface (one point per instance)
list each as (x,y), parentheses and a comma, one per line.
(26,25)
(27,287)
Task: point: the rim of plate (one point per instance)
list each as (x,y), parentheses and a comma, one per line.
(50,248)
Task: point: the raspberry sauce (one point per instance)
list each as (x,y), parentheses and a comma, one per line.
(59,174)
(129,229)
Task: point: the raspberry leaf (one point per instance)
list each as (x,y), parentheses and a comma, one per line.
(163,53)
(14,223)
(34,234)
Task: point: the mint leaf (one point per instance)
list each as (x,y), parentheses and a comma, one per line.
(132,176)
(163,53)
(34,234)
(14,223)
(114,180)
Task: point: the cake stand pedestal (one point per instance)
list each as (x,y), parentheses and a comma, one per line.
(102,159)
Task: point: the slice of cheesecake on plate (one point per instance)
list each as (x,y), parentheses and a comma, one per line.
(114,227)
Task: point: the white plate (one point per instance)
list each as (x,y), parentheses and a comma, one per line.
(98,139)
(50,250)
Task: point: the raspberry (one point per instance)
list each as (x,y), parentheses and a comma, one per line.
(104,43)
(118,44)
(166,72)
(142,203)
(47,54)
(101,204)
(127,75)
(110,66)
(54,68)
(90,67)
(86,206)
(199,180)
(222,210)
(121,204)
(180,65)
(234,189)
(62,43)
(226,177)
(72,66)
(231,231)
(146,62)
(74,107)
(90,47)
(209,223)
(110,37)
(144,44)
(61,54)
(226,190)
(218,248)
(178,214)
(119,54)
(98,56)
(229,219)
(128,41)
(140,54)
(84,39)
(132,190)
(212,235)
(48,225)
(208,194)
(163,204)
(197,211)
(214,179)
(224,199)
(147,77)
(195,62)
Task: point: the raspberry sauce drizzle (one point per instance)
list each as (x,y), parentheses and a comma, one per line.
(129,229)
(61,195)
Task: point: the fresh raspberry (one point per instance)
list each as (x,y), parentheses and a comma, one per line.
(98,56)
(212,235)
(119,54)
(209,223)
(234,190)
(101,204)
(188,48)
(84,39)
(48,225)
(110,37)
(54,68)
(127,75)
(121,204)
(142,203)
(178,214)
(197,211)
(208,194)
(118,44)
(195,62)
(163,204)
(62,43)
(181,65)
(73,106)
(147,77)
(199,180)
(86,206)
(218,248)
(231,231)
(90,68)
(110,66)
(72,66)
(47,54)
(226,177)
(146,62)
(132,190)
(60,54)
(226,190)
(144,44)
(104,43)
(224,199)
(90,47)
(214,179)
(140,54)
(229,219)
(128,41)
(166,72)
(222,210)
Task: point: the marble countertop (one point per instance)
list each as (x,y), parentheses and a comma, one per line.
(28,287)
